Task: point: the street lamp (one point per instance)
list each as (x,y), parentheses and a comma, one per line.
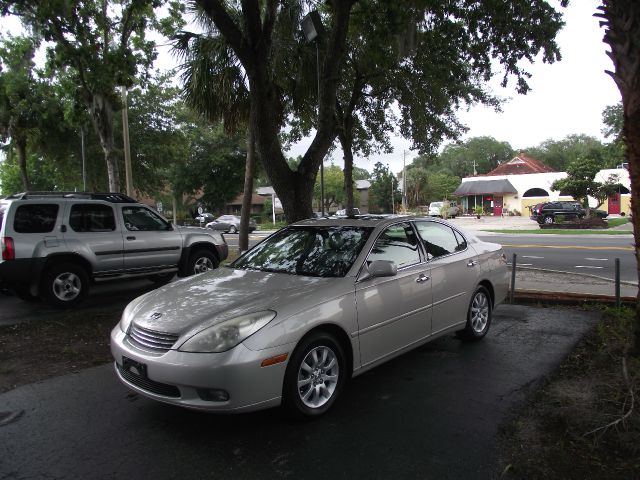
(312,29)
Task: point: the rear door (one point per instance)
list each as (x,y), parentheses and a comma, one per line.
(150,242)
(454,273)
(92,226)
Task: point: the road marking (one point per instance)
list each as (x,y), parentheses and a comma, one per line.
(597,259)
(530,256)
(573,247)
(521,264)
(586,266)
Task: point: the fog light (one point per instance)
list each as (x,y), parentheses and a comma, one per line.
(213,395)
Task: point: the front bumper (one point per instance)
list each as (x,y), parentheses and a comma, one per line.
(179,378)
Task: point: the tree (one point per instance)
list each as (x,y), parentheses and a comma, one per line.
(477,155)
(22,97)
(621,19)
(580,183)
(384,188)
(101,44)
(612,118)
(559,154)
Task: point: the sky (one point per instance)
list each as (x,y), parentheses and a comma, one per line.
(566,97)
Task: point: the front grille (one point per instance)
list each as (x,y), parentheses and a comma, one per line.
(149,385)
(145,338)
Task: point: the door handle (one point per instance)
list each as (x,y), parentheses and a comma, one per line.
(131,238)
(422,278)
(471,263)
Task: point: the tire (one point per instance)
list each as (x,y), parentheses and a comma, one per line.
(160,279)
(201,261)
(64,285)
(478,316)
(315,376)
(548,220)
(233,229)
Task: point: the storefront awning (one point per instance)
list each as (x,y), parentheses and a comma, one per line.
(483,187)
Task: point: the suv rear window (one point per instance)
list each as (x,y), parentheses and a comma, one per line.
(92,218)
(35,218)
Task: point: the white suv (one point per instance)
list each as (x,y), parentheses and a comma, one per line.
(54,244)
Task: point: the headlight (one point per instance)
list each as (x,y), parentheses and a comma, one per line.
(226,335)
(128,314)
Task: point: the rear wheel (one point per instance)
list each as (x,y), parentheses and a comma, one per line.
(315,376)
(478,315)
(233,229)
(548,220)
(64,285)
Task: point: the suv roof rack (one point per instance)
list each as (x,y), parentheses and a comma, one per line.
(112,197)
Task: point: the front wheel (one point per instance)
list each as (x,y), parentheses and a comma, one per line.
(64,285)
(548,220)
(201,261)
(315,376)
(478,315)
(233,229)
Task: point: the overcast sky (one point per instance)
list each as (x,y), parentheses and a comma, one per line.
(566,97)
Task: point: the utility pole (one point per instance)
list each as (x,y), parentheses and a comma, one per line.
(404,182)
(127,149)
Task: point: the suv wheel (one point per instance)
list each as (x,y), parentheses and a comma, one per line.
(64,285)
(201,261)
(548,220)
(233,229)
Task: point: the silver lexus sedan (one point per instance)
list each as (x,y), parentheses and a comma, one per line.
(316,303)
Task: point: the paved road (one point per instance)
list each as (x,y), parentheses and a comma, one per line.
(432,413)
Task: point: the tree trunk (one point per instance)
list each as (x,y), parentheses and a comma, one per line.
(101,113)
(21,146)
(347,150)
(622,21)
(249,170)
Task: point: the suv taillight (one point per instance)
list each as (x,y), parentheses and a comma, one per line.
(8,250)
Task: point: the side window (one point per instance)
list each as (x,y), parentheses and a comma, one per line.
(462,243)
(92,218)
(397,244)
(35,218)
(144,220)
(438,239)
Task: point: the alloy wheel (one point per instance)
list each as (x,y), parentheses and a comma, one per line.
(479,312)
(318,376)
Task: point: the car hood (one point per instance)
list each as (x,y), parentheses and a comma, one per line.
(190,305)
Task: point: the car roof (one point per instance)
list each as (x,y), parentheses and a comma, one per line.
(359,220)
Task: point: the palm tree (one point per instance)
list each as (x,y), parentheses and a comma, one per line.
(216,87)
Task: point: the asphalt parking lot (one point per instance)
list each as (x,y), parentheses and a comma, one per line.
(432,413)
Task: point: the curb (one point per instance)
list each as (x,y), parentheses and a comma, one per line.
(587,275)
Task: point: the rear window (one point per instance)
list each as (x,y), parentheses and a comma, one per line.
(35,218)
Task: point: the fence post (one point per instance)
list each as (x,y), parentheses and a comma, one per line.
(513,278)
(617,282)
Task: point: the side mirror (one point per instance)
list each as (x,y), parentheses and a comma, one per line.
(379,268)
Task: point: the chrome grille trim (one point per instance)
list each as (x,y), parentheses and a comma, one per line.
(159,341)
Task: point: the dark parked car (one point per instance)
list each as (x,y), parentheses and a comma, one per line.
(548,211)
(230,224)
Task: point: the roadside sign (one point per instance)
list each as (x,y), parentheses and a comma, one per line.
(200,210)
(159,207)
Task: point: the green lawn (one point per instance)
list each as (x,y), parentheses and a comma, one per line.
(563,232)
(616,222)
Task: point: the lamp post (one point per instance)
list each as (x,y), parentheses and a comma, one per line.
(312,29)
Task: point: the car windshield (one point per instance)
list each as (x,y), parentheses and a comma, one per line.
(436,204)
(309,251)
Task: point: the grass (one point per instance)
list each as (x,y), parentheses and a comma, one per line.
(616,222)
(584,422)
(562,232)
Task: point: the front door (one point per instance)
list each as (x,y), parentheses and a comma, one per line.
(497,206)
(150,242)
(394,312)
(614,204)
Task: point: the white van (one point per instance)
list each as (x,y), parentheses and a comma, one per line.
(435,209)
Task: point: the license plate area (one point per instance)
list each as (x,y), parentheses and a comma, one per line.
(137,368)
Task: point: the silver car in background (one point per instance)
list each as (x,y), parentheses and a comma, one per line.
(318,302)
(230,224)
